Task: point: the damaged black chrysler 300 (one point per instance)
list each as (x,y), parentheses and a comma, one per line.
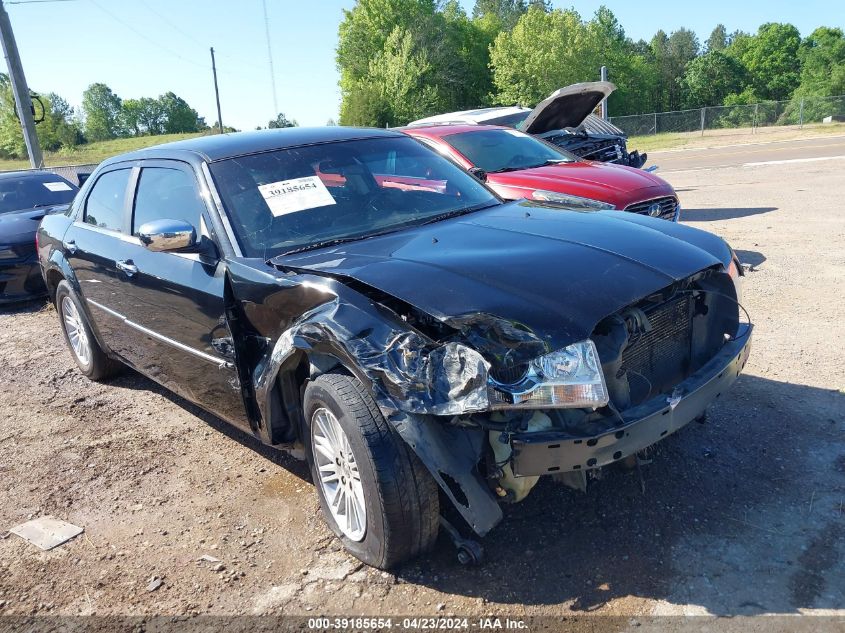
(352,293)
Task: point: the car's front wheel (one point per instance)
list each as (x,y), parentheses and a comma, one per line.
(376,495)
(89,356)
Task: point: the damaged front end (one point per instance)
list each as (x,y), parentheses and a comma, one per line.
(489,407)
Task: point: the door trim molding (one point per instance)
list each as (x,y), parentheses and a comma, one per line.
(219,362)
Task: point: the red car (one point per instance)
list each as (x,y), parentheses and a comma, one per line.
(518,165)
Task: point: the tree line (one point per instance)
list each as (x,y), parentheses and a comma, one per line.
(401,60)
(102,116)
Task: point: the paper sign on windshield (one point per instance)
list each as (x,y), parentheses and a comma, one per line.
(298,194)
(57,186)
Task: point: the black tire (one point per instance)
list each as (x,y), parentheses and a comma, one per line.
(400,496)
(96,365)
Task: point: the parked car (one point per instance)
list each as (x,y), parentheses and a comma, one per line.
(354,295)
(517,165)
(565,118)
(25,198)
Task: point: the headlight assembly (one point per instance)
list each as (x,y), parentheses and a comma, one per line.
(570,377)
(571,202)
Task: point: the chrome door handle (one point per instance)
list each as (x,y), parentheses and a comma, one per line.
(70,246)
(127,267)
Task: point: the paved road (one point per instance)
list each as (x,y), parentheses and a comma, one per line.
(798,150)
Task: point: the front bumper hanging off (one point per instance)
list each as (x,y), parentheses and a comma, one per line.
(551,452)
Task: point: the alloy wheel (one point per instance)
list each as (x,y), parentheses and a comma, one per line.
(76,333)
(338,475)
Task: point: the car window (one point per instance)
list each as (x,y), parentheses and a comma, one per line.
(104,207)
(288,199)
(28,191)
(505,150)
(165,193)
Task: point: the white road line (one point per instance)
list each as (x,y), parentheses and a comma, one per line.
(793,160)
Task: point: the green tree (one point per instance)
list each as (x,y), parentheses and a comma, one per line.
(178,116)
(503,14)
(710,78)
(282,121)
(718,40)
(60,127)
(144,116)
(822,56)
(671,54)
(542,53)
(443,50)
(771,57)
(102,109)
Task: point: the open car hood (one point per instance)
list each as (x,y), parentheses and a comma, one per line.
(566,107)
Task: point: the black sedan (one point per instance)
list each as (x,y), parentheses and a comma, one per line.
(25,198)
(352,296)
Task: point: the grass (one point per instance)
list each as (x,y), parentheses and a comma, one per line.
(95,152)
(716,138)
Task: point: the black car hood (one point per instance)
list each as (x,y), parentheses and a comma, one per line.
(549,272)
(20,226)
(566,107)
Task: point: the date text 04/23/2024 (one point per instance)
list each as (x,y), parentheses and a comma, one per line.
(418,623)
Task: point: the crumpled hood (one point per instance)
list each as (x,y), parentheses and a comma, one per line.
(551,273)
(566,107)
(20,226)
(617,184)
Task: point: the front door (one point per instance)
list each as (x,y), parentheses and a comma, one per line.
(173,303)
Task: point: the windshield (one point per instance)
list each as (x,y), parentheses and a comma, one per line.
(28,191)
(509,120)
(291,199)
(505,150)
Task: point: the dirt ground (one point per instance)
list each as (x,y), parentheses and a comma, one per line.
(742,515)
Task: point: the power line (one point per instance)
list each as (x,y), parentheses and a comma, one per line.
(183,33)
(143,36)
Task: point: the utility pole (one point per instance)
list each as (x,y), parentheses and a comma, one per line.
(20,90)
(216,91)
(604,101)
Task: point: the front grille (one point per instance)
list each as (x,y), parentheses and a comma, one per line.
(661,357)
(665,207)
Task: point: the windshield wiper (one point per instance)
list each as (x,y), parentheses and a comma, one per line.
(457,212)
(335,242)
(545,163)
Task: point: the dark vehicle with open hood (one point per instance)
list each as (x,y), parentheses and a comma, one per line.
(25,198)
(565,118)
(352,295)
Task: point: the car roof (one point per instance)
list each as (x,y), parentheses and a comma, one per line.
(36,173)
(445,129)
(215,147)
(471,116)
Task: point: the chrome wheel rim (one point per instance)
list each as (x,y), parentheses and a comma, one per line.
(76,332)
(337,472)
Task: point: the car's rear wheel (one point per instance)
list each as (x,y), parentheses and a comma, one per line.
(376,495)
(89,356)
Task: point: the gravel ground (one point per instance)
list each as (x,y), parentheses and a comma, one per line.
(742,515)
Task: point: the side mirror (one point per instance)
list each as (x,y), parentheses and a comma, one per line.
(478,173)
(167,235)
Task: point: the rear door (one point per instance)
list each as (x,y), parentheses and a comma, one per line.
(173,303)
(94,243)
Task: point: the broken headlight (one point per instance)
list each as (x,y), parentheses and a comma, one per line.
(571,202)
(570,377)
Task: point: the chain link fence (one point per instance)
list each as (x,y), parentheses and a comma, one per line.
(798,111)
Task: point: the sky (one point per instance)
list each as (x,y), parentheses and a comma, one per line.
(144,48)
